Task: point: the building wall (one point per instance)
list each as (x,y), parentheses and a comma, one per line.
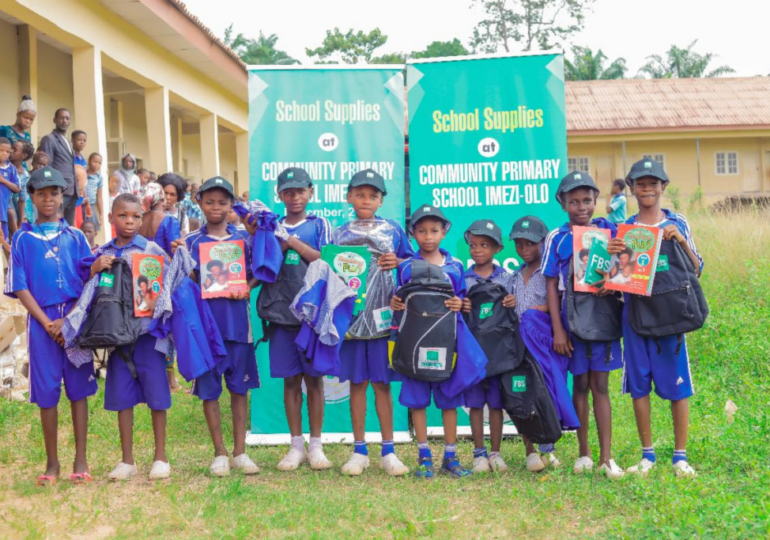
(191,153)
(54,86)
(9,82)
(227,161)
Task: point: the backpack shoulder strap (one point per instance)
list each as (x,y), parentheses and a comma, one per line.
(424,271)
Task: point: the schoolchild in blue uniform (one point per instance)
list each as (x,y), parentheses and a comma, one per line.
(123,389)
(485,239)
(661,361)
(9,182)
(307,235)
(366,360)
(216,198)
(529,291)
(50,261)
(577,194)
(429,226)
(163,228)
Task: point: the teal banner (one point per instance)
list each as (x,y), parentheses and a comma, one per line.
(487,140)
(332,122)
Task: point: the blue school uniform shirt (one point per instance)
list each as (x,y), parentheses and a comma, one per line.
(168,231)
(557,253)
(315,231)
(36,266)
(531,294)
(452,268)
(672,218)
(619,207)
(232,316)
(9,174)
(80,160)
(401,245)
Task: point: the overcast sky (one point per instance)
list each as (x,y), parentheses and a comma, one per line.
(733,31)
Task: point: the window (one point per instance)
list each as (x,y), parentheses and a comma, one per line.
(660,158)
(577,164)
(727,162)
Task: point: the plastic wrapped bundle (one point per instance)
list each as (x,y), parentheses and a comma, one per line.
(377,235)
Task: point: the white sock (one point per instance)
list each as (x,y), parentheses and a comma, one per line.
(298,443)
(315,442)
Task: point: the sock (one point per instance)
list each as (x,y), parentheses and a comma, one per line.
(679,455)
(649,454)
(450,451)
(480,452)
(298,443)
(359,447)
(388,448)
(494,454)
(315,442)
(546,448)
(424,450)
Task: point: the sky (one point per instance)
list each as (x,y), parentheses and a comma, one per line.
(631,29)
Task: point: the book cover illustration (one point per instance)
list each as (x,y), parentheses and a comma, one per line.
(147,272)
(223,269)
(351,263)
(583,240)
(634,269)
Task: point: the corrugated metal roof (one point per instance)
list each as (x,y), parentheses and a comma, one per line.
(630,105)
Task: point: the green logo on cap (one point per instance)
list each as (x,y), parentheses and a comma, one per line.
(47,174)
(578,177)
(290,175)
(370,175)
(427,209)
(648,165)
(525,224)
(218,180)
(490,226)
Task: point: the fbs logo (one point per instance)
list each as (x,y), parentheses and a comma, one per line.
(519,383)
(328,142)
(107,280)
(485,310)
(488,147)
(292,257)
(432,358)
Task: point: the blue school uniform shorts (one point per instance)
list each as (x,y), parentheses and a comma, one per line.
(581,362)
(122,391)
(49,365)
(417,395)
(487,392)
(366,360)
(644,365)
(286,359)
(239,370)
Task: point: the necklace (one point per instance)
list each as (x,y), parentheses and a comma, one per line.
(53,249)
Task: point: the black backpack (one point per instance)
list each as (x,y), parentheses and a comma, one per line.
(424,346)
(528,402)
(593,319)
(495,327)
(275,298)
(677,304)
(111,322)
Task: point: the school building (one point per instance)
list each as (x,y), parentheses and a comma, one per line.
(712,134)
(139,76)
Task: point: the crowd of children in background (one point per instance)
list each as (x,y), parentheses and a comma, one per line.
(51,264)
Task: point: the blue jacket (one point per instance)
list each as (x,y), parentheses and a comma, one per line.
(266,253)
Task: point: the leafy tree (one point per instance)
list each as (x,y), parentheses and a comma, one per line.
(350,48)
(682,63)
(529,22)
(392,58)
(442,48)
(587,66)
(259,51)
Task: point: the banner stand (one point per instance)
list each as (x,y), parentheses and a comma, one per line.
(277,439)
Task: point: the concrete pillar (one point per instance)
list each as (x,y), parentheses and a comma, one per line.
(89,113)
(156,108)
(209,146)
(242,162)
(179,146)
(28,70)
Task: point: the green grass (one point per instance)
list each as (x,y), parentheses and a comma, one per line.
(729,498)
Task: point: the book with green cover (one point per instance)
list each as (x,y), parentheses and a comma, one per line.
(351,263)
(599,261)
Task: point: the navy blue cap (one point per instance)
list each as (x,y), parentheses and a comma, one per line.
(426,211)
(45,177)
(575,180)
(646,167)
(529,228)
(216,182)
(484,227)
(294,178)
(368,177)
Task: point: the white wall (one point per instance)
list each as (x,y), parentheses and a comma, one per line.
(9,82)
(54,86)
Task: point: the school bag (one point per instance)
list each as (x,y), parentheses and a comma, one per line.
(528,402)
(595,320)
(677,304)
(111,323)
(495,327)
(424,347)
(275,298)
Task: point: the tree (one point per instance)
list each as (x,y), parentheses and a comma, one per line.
(682,63)
(587,66)
(530,22)
(349,48)
(259,51)
(442,48)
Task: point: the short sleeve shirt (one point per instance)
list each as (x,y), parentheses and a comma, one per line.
(315,231)
(10,174)
(452,268)
(619,206)
(531,294)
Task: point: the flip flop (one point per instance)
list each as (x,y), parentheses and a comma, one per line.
(80,478)
(45,480)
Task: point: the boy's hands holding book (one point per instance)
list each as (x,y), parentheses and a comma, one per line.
(242,295)
(615,246)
